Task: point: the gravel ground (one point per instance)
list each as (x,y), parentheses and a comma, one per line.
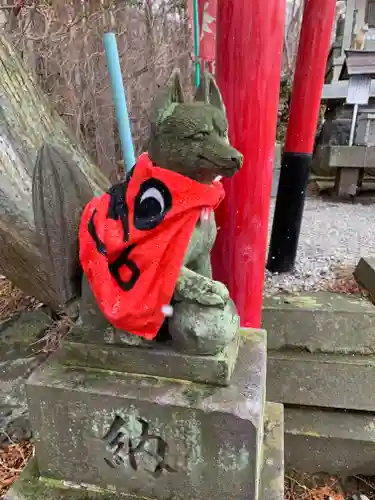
(332,234)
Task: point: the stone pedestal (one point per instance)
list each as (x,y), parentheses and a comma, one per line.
(155,360)
(108,434)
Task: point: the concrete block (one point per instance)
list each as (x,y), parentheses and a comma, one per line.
(365,274)
(346,181)
(320,322)
(157,361)
(152,437)
(323,380)
(272,475)
(335,442)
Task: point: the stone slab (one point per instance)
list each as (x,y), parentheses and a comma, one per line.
(272,475)
(156,361)
(347,156)
(19,356)
(365,274)
(209,438)
(323,380)
(365,190)
(338,90)
(350,156)
(320,322)
(334,442)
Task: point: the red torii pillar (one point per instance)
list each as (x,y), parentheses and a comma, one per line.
(207,43)
(248,64)
(313,49)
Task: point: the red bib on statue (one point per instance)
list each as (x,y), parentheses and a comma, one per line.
(133,241)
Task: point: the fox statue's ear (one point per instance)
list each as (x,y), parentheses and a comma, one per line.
(167,99)
(209,92)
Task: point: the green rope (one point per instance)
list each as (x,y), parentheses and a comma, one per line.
(196,44)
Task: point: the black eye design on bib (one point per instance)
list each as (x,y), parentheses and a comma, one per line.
(151,205)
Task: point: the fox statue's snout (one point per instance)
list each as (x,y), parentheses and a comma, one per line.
(218,157)
(236,161)
(192,138)
(227,161)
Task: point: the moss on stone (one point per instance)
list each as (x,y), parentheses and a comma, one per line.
(30,486)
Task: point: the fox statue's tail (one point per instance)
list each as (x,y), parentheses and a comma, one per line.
(60,192)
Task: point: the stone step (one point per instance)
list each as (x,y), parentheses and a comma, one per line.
(320,322)
(322,380)
(321,366)
(272,475)
(335,442)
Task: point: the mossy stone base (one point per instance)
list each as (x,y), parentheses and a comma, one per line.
(150,436)
(30,486)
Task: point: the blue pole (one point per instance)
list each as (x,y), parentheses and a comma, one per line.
(196,44)
(119,100)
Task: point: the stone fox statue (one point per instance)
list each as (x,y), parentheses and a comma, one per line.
(360,38)
(162,250)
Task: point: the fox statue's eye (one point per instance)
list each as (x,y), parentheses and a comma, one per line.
(152,203)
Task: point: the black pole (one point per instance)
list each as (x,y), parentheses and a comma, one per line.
(290,201)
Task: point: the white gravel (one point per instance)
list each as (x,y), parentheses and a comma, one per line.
(331,234)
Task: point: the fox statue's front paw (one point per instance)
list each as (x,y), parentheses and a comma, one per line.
(213,293)
(203,330)
(193,287)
